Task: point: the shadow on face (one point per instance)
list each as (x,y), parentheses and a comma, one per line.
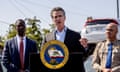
(20,27)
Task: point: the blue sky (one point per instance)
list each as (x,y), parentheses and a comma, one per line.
(76,11)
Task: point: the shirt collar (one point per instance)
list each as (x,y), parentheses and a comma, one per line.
(108,42)
(64,30)
(18,37)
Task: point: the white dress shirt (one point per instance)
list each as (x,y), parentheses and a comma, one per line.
(24,42)
(61,35)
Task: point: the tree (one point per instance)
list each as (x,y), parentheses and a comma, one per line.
(52,27)
(12,31)
(1,44)
(32,30)
(45,31)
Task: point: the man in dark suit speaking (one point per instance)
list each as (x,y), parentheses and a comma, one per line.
(17,50)
(70,38)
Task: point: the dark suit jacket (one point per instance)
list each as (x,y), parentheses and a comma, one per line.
(11,59)
(76,51)
(1,70)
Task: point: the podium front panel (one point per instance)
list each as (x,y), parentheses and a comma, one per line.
(74,63)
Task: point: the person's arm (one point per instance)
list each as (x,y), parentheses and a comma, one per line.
(1,70)
(96,59)
(84,43)
(6,58)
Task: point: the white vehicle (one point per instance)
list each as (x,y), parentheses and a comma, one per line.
(94,30)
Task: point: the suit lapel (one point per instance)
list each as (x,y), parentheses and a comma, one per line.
(54,35)
(66,36)
(16,44)
(16,50)
(26,51)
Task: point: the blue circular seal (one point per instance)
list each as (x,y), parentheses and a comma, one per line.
(54,54)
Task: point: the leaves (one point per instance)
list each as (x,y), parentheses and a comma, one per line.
(33,31)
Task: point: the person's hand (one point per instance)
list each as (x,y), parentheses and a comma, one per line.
(107,70)
(84,42)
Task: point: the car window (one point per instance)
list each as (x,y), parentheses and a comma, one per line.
(100,22)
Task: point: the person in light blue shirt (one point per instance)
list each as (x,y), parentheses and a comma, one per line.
(70,38)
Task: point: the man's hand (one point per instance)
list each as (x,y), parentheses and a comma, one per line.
(84,42)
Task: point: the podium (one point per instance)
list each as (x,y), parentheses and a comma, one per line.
(74,63)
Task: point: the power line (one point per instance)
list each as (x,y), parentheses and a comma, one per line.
(69,11)
(22,5)
(16,7)
(36,3)
(4,22)
(27,9)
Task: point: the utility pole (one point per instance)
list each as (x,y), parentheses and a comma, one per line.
(118,9)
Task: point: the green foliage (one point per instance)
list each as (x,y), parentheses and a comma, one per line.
(32,30)
(1,42)
(12,31)
(45,31)
(52,27)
